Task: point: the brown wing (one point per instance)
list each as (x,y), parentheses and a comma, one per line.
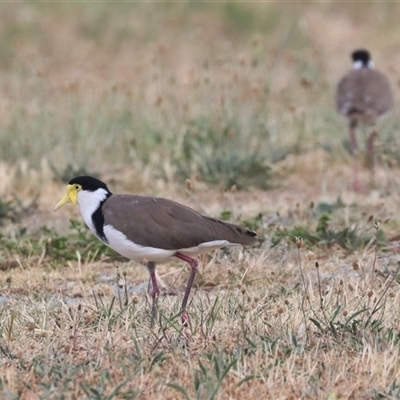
(364,91)
(168,225)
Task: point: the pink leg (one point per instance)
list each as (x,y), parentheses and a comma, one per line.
(151,266)
(194,266)
(353,137)
(371,147)
(356,161)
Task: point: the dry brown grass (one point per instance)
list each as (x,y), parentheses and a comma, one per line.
(114,89)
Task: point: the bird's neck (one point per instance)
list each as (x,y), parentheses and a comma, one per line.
(90,204)
(360,64)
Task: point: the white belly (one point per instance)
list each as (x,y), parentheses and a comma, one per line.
(119,242)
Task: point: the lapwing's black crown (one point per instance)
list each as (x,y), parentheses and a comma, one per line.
(361,55)
(89,183)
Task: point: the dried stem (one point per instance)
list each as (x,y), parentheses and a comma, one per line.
(376,226)
(299,244)
(383,294)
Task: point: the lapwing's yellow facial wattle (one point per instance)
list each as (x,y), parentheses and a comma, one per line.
(71,196)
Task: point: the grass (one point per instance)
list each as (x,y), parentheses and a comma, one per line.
(353,234)
(223,158)
(266,340)
(227,108)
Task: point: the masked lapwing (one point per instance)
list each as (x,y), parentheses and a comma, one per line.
(362,95)
(151,230)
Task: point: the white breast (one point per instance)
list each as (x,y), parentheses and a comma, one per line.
(120,243)
(88,203)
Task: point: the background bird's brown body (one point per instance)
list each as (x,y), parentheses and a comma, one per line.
(363,95)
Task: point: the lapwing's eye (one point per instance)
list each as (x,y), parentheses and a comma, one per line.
(77,187)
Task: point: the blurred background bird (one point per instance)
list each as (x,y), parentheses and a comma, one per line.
(362,95)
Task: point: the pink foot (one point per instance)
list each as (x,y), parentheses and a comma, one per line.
(357,186)
(185,319)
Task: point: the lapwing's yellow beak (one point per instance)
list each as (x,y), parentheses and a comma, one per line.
(71,196)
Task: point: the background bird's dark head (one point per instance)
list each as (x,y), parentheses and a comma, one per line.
(362,56)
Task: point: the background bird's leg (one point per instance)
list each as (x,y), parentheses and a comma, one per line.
(194,266)
(355,153)
(151,266)
(353,137)
(371,151)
